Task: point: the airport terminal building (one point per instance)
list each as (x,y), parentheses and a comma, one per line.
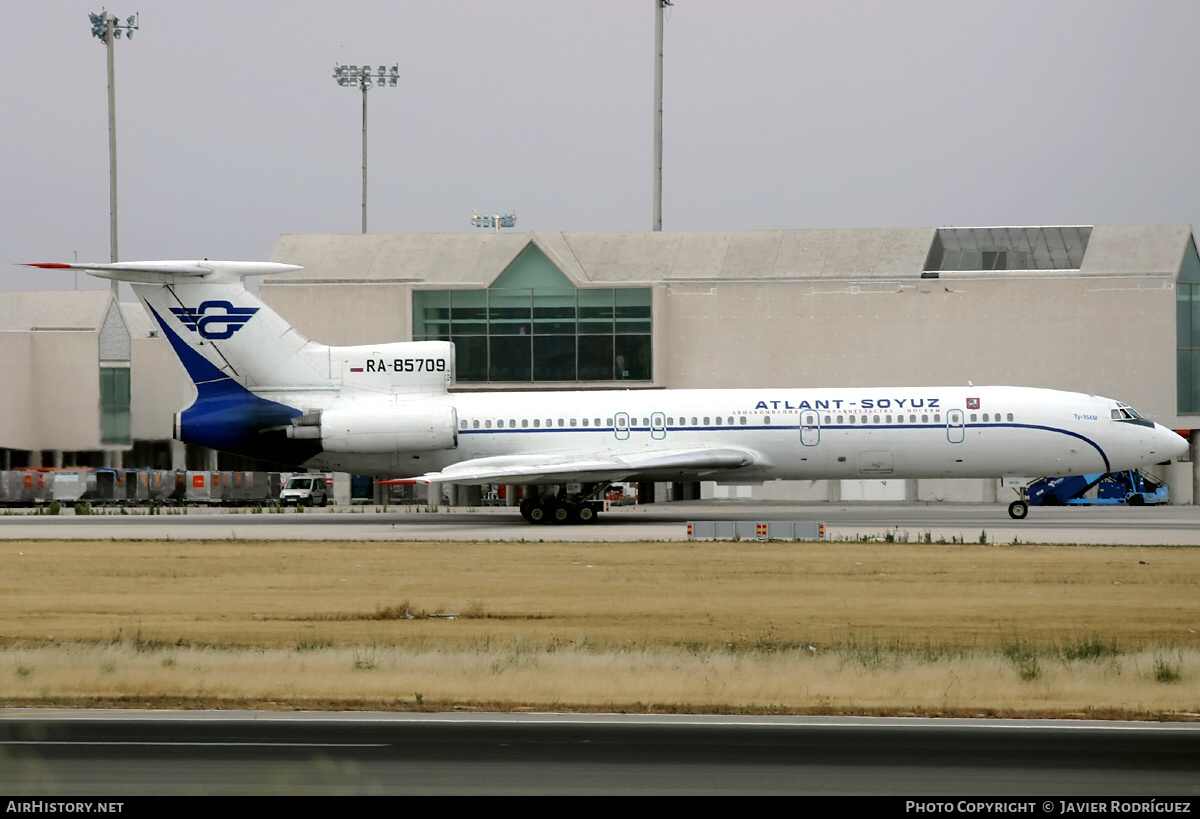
(1111,310)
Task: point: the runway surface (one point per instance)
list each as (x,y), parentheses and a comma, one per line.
(967,523)
(122,753)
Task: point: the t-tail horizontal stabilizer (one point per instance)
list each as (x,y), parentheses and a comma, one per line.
(168,272)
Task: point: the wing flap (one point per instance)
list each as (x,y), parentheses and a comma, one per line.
(661,464)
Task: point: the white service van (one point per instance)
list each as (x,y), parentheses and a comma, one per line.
(305,490)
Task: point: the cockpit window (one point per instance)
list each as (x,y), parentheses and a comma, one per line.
(1124,412)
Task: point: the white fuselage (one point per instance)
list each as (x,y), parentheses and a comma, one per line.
(919,432)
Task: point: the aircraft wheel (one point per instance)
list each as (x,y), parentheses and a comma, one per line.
(1018,510)
(527,506)
(559,512)
(538,513)
(586,513)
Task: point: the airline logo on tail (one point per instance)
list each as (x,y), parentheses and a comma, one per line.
(211,324)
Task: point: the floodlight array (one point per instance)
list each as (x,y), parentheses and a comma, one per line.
(353,76)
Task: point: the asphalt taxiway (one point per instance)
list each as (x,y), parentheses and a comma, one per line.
(115,753)
(949,523)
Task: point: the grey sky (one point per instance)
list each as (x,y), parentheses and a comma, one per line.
(777,115)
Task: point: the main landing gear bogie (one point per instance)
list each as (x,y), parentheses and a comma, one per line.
(559,510)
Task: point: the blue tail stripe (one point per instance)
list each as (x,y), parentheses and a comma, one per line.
(226,415)
(201,370)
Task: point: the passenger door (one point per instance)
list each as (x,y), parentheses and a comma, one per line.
(810,428)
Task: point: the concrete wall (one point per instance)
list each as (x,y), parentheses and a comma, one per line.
(345,314)
(1107,336)
(66,390)
(18,425)
(159,388)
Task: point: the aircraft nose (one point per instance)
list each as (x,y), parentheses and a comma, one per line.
(1169,443)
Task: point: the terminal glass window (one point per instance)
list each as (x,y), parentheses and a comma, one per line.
(114,405)
(1187,333)
(533,324)
(1007,248)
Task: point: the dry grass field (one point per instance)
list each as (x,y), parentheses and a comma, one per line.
(753,627)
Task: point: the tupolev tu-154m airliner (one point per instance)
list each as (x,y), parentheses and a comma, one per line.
(266,391)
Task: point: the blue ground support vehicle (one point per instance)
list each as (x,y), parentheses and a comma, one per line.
(1133,487)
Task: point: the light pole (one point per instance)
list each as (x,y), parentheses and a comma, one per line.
(494,220)
(107,29)
(351,76)
(659,5)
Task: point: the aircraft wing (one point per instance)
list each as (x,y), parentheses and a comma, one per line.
(653,464)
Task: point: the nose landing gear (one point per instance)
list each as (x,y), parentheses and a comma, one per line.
(1018,509)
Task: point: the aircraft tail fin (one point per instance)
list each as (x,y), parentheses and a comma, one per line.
(218,328)
(246,361)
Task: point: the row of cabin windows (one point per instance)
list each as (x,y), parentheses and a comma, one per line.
(574,422)
(988,418)
(549,423)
